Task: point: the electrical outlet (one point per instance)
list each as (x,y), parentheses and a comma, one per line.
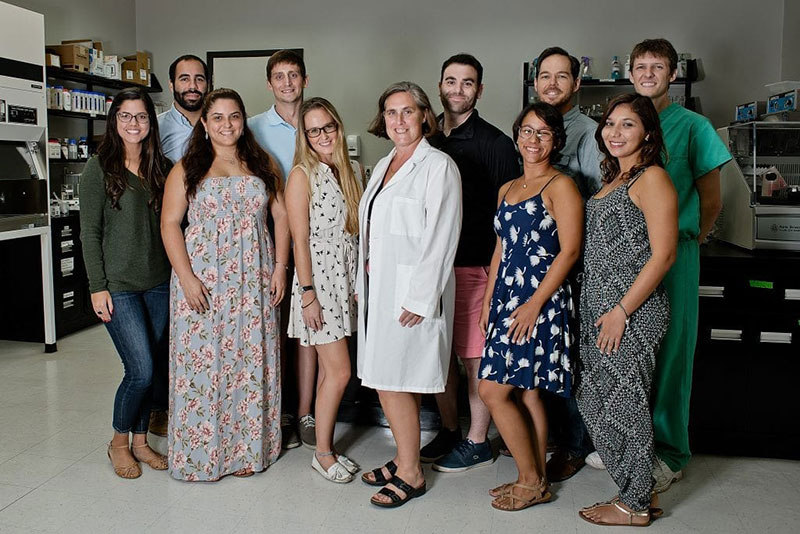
(368,171)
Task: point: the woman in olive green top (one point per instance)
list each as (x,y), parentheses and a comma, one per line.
(128,269)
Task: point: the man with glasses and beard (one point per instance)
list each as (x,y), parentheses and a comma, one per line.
(486,159)
(188,81)
(556,82)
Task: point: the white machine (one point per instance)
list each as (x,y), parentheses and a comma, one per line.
(24,210)
(761,186)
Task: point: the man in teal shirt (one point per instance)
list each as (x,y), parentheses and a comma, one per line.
(695,154)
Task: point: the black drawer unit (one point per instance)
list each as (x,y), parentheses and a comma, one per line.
(21,302)
(747,362)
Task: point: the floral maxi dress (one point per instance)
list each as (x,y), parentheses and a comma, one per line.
(225,401)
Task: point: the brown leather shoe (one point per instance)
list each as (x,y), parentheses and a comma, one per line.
(563,465)
(158,423)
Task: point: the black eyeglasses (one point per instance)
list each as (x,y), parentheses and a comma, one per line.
(328,128)
(126,117)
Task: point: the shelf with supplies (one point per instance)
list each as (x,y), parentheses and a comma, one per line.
(75,115)
(92,81)
(529,93)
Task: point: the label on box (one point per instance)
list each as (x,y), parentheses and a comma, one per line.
(67,266)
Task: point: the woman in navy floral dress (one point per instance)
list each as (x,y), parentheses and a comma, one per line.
(528,305)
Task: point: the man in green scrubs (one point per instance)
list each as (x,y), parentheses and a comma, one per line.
(695,154)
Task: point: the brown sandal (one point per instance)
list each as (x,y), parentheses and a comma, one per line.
(648,514)
(501,490)
(129,471)
(159,463)
(243,473)
(542,497)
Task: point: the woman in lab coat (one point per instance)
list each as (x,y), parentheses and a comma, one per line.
(410,219)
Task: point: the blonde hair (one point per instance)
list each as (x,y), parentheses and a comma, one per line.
(307,158)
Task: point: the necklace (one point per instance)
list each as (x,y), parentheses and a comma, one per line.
(231,160)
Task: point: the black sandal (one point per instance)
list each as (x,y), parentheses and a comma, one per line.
(380,480)
(403,486)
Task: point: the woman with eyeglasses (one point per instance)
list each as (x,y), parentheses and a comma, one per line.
(322,195)
(528,304)
(227,282)
(410,220)
(128,269)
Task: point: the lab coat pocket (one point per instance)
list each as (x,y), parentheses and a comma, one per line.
(407,217)
(401,285)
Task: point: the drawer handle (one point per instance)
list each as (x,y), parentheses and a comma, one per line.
(791,294)
(712,291)
(722,334)
(776,337)
(68,304)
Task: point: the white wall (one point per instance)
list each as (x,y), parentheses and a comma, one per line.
(355,48)
(110,21)
(790,50)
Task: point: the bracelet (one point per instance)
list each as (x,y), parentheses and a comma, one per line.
(303,289)
(285,265)
(309,304)
(627,317)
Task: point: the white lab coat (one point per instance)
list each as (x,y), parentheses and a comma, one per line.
(413,236)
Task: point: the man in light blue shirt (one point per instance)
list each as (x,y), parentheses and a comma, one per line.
(188,81)
(556,82)
(275,129)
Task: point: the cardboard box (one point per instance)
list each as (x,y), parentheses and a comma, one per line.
(52,60)
(96,62)
(112,67)
(131,73)
(73,56)
(142,60)
(88,43)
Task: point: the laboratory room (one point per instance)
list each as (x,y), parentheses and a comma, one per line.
(282,266)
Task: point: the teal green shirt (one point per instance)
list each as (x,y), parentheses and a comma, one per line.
(122,248)
(693,149)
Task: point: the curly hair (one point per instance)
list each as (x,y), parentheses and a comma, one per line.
(200,153)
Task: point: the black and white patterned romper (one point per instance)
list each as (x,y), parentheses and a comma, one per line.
(614,391)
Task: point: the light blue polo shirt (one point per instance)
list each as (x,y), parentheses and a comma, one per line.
(175,131)
(276,136)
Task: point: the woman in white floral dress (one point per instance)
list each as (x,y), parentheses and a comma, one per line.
(227,281)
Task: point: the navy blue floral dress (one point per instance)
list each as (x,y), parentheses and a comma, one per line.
(529,239)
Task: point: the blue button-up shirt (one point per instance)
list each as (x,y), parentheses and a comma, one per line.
(175,131)
(580,157)
(276,136)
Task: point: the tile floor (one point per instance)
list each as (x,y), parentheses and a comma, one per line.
(55,412)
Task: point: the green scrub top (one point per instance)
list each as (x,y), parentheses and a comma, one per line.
(693,149)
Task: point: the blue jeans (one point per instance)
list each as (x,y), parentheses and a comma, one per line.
(138,328)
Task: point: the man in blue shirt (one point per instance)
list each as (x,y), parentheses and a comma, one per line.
(188,81)
(556,82)
(275,129)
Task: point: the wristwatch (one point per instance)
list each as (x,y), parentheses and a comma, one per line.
(303,289)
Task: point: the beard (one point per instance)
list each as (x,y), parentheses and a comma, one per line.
(188,105)
(457,107)
(560,99)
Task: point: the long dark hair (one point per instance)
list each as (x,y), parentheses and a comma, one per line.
(653,151)
(111,153)
(552,118)
(200,153)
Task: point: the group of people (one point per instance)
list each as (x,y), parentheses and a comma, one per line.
(560,267)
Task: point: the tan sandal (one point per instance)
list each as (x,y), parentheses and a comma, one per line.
(542,497)
(501,490)
(630,515)
(243,473)
(129,471)
(159,463)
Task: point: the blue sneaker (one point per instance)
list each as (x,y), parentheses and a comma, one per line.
(466,455)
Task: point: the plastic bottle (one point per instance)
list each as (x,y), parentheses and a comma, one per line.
(626,73)
(66,99)
(83,148)
(586,68)
(616,68)
(109,101)
(64,148)
(72,149)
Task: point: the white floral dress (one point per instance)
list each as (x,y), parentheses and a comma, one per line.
(225,400)
(334,255)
